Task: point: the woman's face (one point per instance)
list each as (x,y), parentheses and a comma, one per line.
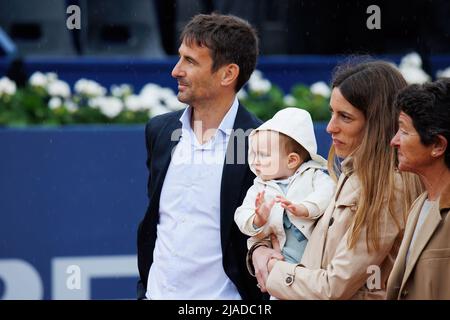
(346,125)
(412,154)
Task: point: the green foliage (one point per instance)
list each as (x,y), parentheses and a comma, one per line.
(318,106)
(29,106)
(265,105)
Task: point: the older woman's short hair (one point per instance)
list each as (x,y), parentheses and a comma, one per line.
(428,105)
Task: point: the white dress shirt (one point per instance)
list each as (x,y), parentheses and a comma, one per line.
(187,259)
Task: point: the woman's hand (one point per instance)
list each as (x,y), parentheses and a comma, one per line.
(261,257)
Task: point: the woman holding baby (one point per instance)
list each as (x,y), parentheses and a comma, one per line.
(351,250)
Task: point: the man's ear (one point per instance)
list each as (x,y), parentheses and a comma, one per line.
(230,73)
(294,160)
(439,146)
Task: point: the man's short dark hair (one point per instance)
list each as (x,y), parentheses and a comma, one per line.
(230,39)
(428,105)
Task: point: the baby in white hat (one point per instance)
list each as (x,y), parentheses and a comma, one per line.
(291,190)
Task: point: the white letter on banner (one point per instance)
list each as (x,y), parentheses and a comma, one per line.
(89,268)
(74,280)
(21,280)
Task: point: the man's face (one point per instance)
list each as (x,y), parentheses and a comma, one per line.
(196,82)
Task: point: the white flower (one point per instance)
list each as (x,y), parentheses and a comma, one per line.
(414,75)
(150,96)
(289,100)
(133,103)
(258,84)
(51,77)
(58,88)
(71,106)
(411,69)
(38,79)
(412,60)
(169,99)
(158,109)
(166,93)
(109,106)
(150,89)
(257,74)
(242,94)
(89,88)
(7,87)
(55,103)
(112,108)
(116,91)
(174,104)
(121,91)
(321,88)
(443,73)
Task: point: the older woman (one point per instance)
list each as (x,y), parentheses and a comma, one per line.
(422,267)
(358,236)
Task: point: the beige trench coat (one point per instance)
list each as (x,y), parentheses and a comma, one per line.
(328,269)
(427,273)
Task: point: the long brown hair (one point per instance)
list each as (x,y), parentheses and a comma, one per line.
(371,87)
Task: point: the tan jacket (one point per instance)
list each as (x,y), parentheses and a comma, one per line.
(328,269)
(427,273)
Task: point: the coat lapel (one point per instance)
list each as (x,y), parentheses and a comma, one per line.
(398,271)
(426,231)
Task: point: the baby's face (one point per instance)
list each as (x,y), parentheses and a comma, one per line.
(270,159)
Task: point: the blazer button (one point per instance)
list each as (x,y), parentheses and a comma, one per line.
(404,293)
(289,280)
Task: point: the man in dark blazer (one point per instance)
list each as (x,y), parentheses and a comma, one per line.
(188,244)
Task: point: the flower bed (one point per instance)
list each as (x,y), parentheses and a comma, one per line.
(48,100)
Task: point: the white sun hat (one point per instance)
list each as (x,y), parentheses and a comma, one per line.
(297,124)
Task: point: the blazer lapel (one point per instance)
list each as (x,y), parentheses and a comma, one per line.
(426,231)
(234,171)
(165,144)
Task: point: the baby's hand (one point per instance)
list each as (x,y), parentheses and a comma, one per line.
(262,210)
(297,210)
